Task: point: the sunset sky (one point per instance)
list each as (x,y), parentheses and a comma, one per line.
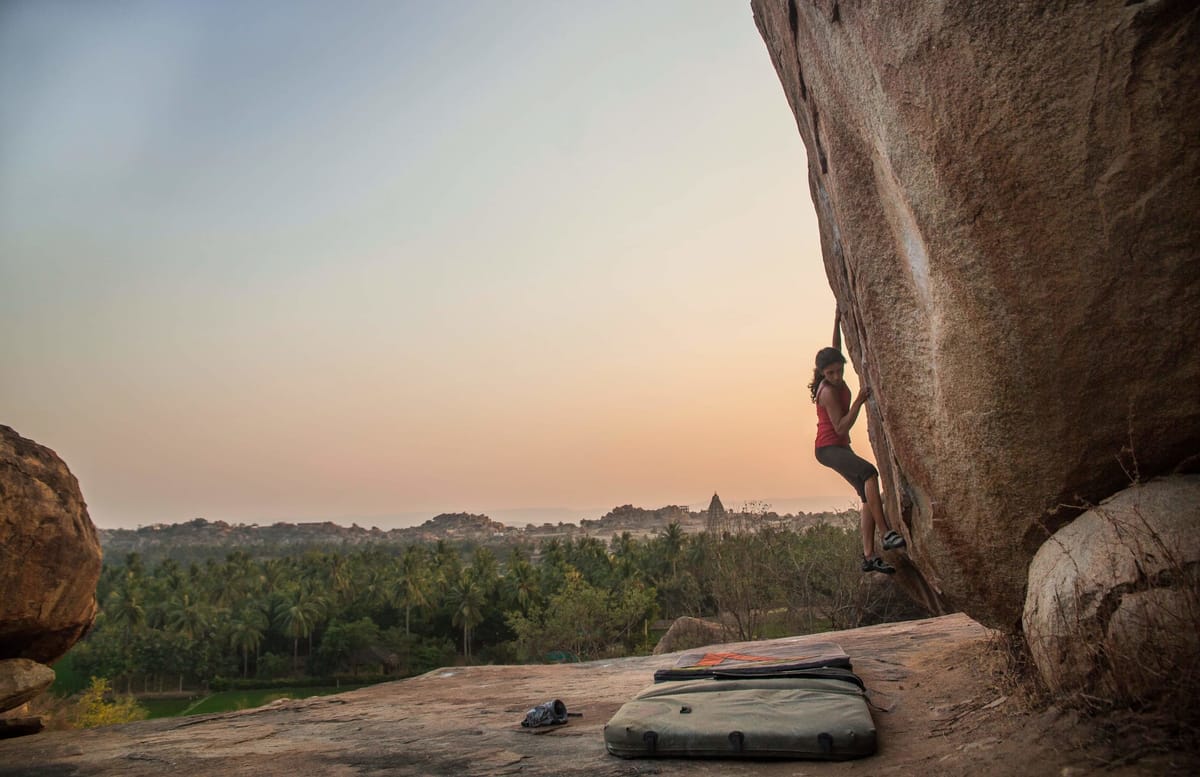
(374,261)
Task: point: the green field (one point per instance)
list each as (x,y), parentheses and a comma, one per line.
(165,708)
(227,701)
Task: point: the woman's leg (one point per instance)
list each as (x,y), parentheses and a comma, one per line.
(866,525)
(865,478)
(873,507)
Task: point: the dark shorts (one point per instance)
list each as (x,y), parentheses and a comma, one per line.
(856,470)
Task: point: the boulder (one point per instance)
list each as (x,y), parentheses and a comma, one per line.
(1007,197)
(21,680)
(49,553)
(19,727)
(1114,597)
(687,633)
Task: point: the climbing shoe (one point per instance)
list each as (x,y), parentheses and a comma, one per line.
(551,713)
(877,564)
(893,540)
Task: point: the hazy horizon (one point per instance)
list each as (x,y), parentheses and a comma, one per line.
(520,516)
(291,261)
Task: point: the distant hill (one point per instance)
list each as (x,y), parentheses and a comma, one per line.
(199,539)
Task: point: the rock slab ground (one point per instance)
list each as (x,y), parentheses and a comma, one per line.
(940,711)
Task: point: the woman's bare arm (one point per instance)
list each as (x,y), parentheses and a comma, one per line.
(842,423)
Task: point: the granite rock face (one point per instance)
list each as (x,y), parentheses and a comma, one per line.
(49,553)
(1007,199)
(1122,577)
(20,680)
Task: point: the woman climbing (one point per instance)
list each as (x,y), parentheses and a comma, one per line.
(835,415)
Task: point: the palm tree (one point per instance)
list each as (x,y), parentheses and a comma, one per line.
(125,605)
(673,539)
(447,564)
(374,588)
(246,633)
(297,615)
(169,574)
(134,566)
(416,583)
(341,578)
(485,566)
(625,552)
(226,589)
(233,581)
(274,573)
(590,557)
(553,567)
(522,580)
(469,596)
(125,608)
(187,617)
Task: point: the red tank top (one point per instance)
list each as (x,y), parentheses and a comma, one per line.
(826,435)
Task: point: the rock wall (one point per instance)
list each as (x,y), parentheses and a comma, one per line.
(1007,198)
(49,553)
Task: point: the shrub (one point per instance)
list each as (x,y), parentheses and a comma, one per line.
(272,666)
(95,708)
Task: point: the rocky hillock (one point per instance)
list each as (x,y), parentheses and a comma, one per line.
(638,519)
(199,539)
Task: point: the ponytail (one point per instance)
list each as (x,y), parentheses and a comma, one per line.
(815,386)
(825,357)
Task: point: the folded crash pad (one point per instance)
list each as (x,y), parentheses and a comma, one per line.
(769,702)
(754,660)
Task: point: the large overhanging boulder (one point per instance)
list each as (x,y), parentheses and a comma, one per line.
(49,555)
(1007,196)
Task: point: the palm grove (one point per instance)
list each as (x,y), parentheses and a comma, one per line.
(255,621)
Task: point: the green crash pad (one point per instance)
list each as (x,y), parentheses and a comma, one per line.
(817,716)
(749,701)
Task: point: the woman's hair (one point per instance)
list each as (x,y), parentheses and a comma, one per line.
(825,357)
